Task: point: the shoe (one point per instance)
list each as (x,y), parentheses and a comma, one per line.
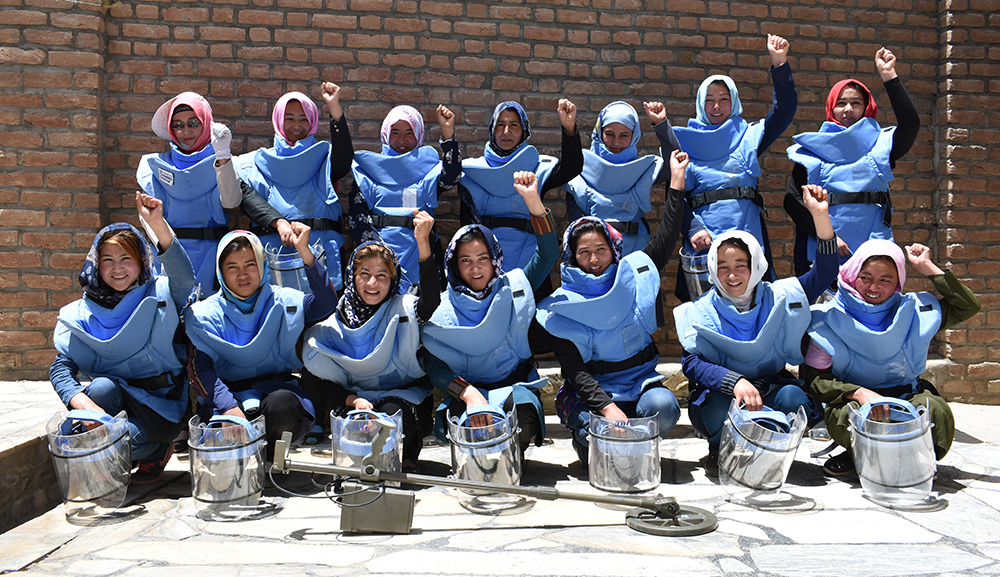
(152,471)
(842,464)
(712,463)
(583,452)
(410,467)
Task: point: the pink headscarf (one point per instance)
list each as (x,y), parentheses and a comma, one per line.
(308,106)
(850,270)
(165,114)
(405,113)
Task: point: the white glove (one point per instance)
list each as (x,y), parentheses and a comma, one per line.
(221,139)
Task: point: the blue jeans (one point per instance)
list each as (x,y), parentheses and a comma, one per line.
(659,401)
(710,416)
(110,397)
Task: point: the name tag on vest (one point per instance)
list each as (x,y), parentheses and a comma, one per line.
(518,293)
(926,308)
(794,305)
(642,268)
(291,310)
(166,177)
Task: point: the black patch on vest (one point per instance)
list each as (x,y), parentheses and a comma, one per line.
(794,305)
(291,310)
(643,268)
(161,304)
(518,293)
(404,319)
(926,308)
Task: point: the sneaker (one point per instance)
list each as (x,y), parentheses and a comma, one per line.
(842,464)
(712,463)
(582,451)
(152,471)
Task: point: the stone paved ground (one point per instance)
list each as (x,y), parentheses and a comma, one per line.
(835,532)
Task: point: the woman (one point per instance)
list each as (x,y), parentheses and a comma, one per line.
(722,176)
(602,319)
(366,353)
(195,181)
(245,337)
(738,337)
(477,339)
(485,188)
(297,176)
(616,182)
(871,341)
(405,177)
(120,335)
(852,157)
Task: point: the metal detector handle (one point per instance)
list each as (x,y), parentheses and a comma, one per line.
(388,425)
(281,448)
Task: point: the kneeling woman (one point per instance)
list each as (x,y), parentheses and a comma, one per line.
(738,337)
(121,336)
(366,353)
(245,337)
(871,341)
(477,339)
(603,317)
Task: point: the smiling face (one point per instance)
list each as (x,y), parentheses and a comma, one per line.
(718,103)
(182,129)
(616,137)
(118,270)
(474,264)
(877,281)
(850,106)
(592,254)
(296,123)
(239,270)
(508,130)
(734,269)
(401,137)
(372,280)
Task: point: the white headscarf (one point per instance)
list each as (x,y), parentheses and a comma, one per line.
(758,266)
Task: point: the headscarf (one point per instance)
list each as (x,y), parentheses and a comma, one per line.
(405,113)
(832,98)
(451,273)
(624,114)
(247,304)
(758,266)
(494,155)
(875,317)
(164,116)
(734,96)
(352,310)
(90,279)
(611,235)
(308,106)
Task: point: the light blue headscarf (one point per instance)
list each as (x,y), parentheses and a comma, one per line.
(624,114)
(699,104)
(245,305)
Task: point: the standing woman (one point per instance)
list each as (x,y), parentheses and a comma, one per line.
(245,337)
(366,353)
(852,157)
(602,319)
(196,182)
(485,189)
(871,341)
(404,177)
(738,337)
(722,176)
(120,335)
(297,176)
(616,182)
(477,339)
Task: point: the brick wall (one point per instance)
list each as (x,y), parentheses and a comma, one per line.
(78,85)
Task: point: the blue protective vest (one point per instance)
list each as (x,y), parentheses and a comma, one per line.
(395,186)
(273,332)
(611,327)
(724,157)
(617,192)
(778,339)
(142,347)
(491,349)
(853,159)
(190,200)
(492,191)
(297,186)
(377,359)
(875,360)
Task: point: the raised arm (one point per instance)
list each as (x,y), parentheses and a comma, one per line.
(784,100)
(570,163)
(661,246)
(342,151)
(451,166)
(907,117)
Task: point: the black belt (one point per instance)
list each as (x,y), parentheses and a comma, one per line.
(247,384)
(313,223)
(624,227)
(208,233)
(507,222)
(156,383)
(747,192)
(607,367)
(867,197)
(519,375)
(384,220)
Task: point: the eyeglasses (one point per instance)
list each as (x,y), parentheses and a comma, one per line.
(193,123)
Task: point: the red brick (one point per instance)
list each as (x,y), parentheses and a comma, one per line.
(469,63)
(19,259)
(17,56)
(29,158)
(22,338)
(441,8)
(371,41)
(77,21)
(220,69)
(260,17)
(213,33)
(73,139)
(184,14)
(335,21)
(22,17)
(44,319)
